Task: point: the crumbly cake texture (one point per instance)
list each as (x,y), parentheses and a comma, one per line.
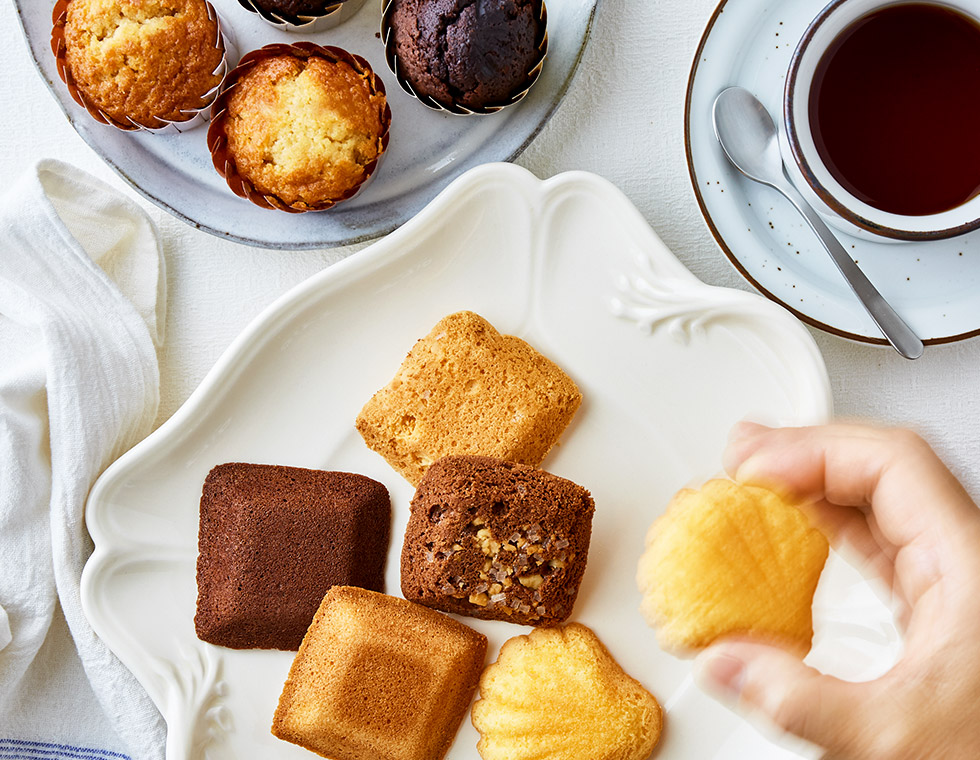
(379,678)
(467,52)
(496,540)
(559,694)
(304,129)
(294,8)
(273,540)
(730,559)
(143,60)
(467,389)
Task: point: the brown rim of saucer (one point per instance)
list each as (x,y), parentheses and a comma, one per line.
(388,38)
(793,139)
(333,15)
(59,14)
(222,159)
(719,238)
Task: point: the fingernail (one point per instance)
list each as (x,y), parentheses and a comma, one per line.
(734,452)
(720,674)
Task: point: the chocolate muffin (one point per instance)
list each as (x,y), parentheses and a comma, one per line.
(295,8)
(496,540)
(465,55)
(139,65)
(299,127)
(273,540)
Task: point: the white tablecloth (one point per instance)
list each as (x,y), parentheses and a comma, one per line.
(622,118)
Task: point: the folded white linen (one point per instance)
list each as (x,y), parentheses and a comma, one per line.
(81,313)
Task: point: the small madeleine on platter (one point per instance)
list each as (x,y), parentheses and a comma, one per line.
(557,693)
(731,560)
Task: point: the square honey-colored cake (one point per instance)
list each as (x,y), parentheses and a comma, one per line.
(467,389)
(379,678)
(273,539)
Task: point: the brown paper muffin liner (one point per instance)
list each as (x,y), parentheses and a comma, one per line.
(195,117)
(224,161)
(388,37)
(333,15)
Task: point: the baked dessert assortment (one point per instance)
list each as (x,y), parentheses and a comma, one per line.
(296,127)
(466,389)
(272,540)
(496,540)
(295,558)
(465,57)
(379,678)
(299,127)
(731,559)
(140,65)
(558,693)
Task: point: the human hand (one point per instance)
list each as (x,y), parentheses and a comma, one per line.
(887,496)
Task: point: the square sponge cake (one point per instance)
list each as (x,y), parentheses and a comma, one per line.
(496,540)
(379,678)
(467,389)
(272,540)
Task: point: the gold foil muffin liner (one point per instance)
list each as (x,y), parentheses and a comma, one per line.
(333,15)
(224,162)
(224,41)
(388,37)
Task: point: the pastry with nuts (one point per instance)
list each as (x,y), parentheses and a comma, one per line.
(496,540)
(731,560)
(273,540)
(559,694)
(467,389)
(379,678)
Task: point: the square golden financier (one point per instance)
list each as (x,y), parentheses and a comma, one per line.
(730,559)
(379,678)
(466,389)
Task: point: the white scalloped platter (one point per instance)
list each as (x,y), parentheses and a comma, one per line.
(666,365)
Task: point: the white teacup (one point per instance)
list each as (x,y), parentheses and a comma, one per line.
(807,169)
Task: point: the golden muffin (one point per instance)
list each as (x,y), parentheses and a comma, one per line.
(467,389)
(139,63)
(558,694)
(299,127)
(730,559)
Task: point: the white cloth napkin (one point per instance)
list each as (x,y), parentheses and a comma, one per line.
(81,311)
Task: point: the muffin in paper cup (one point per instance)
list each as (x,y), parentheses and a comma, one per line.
(299,127)
(303,16)
(465,58)
(113,56)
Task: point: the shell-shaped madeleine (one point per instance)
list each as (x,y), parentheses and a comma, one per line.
(557,694)
(730,559)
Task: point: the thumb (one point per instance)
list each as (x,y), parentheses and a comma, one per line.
(769,681)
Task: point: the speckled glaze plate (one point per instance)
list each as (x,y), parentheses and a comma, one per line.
(665,363)
(935,285)
(427,149)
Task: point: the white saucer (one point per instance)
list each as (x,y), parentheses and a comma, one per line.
(933,285)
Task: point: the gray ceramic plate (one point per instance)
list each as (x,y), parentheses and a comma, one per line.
(427,150)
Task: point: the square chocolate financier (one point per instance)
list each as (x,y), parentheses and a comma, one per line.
(496,540)
(272,541)
(379,678)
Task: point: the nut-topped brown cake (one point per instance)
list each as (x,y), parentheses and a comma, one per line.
(496,540)
(273,540)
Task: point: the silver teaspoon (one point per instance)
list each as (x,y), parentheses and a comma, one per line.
(748,136)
